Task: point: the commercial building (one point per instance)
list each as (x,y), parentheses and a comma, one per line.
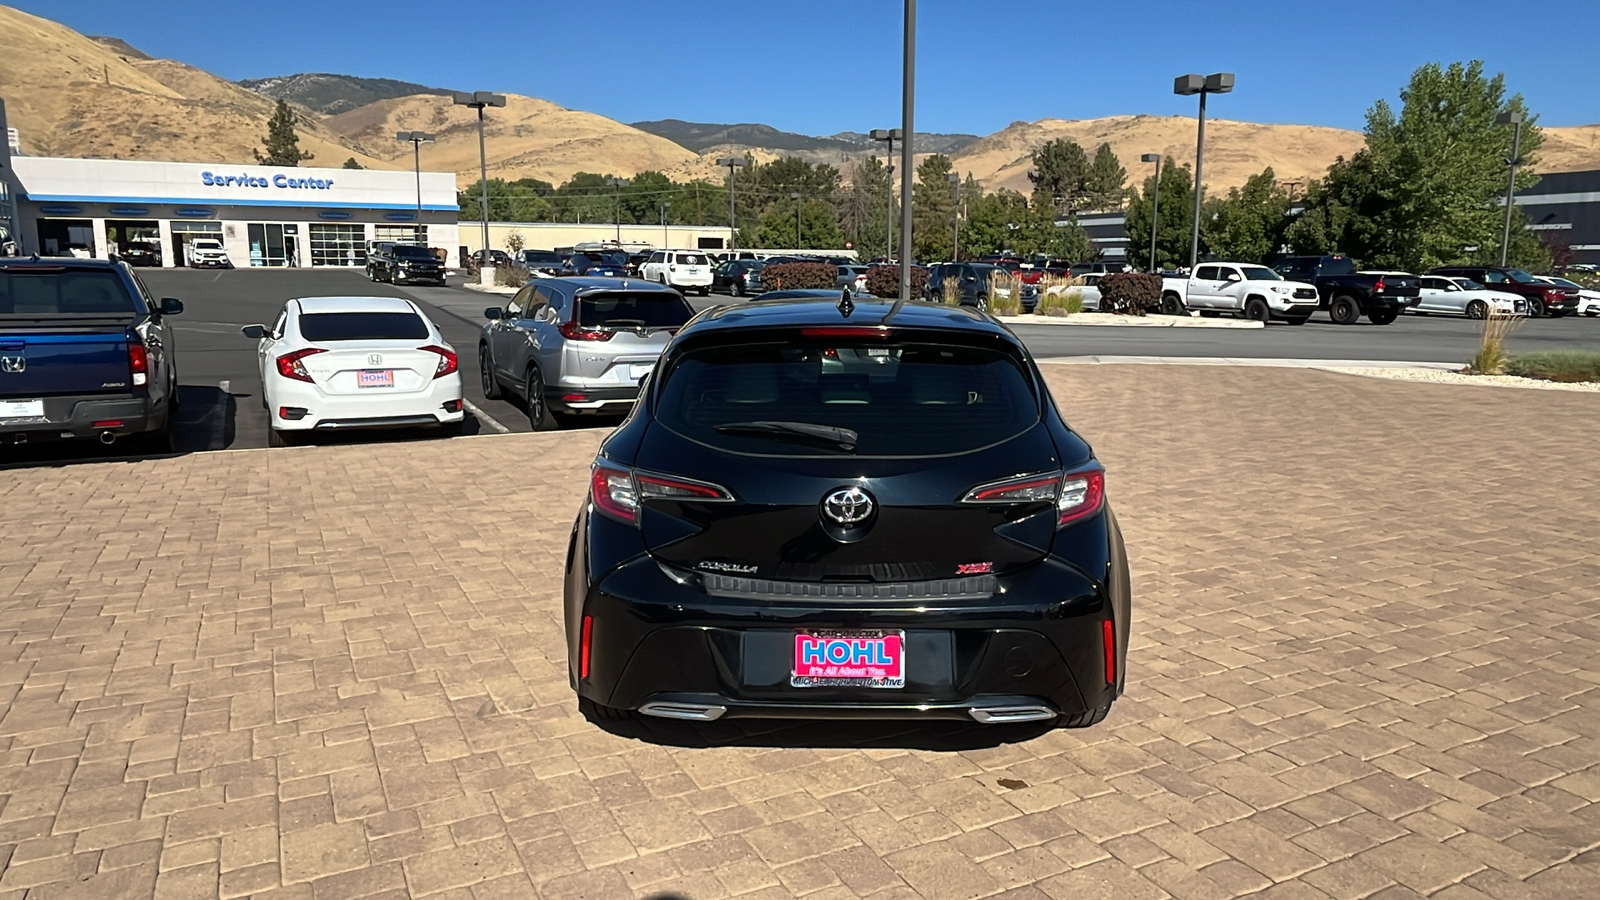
(1564,208)
(553,235)
(264,215)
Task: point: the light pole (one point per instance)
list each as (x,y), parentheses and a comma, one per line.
(666,242)
(616,187)
(417,138)
(1513,118)
(1188,85)
(796,199)
(908,83)
(732,162)
(890,135)
(955,188)
(1155,204)
(478,100)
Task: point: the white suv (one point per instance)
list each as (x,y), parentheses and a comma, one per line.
(203,253)
(680,269)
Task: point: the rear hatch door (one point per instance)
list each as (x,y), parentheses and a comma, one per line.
(617,335)
(57,359)
(373,367)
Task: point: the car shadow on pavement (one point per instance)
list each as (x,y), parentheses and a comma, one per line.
(204,421)
(823,734)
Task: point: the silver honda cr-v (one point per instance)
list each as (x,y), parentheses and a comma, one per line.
(572,346)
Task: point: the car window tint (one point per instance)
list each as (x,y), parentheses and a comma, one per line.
(901,399)
(518,303)
(277,327)
(691,259)
(363,326)
(1494,278)
(57,291)
(653,309)
(1208,273)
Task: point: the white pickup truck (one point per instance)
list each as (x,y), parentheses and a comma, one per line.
(1255,292)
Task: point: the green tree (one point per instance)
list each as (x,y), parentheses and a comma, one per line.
(282,144)
(817,224)
(1247,225)
(509,201)
(1038,231)
(1177,219)
(352,164)
(993,221)
(1106,181)
(933,207)
(1426,188)
(862,207)
(1060,174)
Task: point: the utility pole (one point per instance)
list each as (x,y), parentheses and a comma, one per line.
(907,107)
(417,138)
(955,187)
(479,100)
(1155,204)
(732,162)
(1515,119)
(1187,85)
(890,135)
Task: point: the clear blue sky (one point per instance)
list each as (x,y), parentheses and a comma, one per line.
(822,66)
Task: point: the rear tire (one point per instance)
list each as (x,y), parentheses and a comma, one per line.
(1257,310)
(1084,719)
(1344,311)
(1477,309)
(599,712)
(491,384)
(276,438)
(539,415)
(1171,305)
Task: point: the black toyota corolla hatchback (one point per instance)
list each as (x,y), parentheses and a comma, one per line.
(820,509)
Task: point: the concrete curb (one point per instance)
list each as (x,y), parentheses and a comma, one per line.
(1280,363)
(1109,320)
(496,289)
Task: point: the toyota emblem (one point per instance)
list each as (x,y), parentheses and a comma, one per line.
(848,506)
(374,359)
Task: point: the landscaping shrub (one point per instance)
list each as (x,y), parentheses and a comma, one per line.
(1130,293)
(884,281)
(1060,300)
(1008,303)
(1491,356)
(1556,365)
(798,275)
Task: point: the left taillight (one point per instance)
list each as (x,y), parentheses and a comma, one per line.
(139,364)
(617,492)
(447,360)
(1077,494)
(290,365)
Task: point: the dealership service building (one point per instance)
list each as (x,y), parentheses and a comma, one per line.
(266,216)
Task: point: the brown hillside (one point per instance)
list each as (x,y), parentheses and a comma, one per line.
(69,95)
(527,138)
(1573,148)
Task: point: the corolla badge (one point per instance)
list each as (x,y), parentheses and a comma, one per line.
(848,506)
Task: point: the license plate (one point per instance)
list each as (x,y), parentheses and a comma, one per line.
(21,409)
(826,658)
(375,378)
(640,370)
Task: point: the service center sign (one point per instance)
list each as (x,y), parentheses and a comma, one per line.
(279,180)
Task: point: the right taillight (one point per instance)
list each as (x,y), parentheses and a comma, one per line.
(617,492)
(572,331)
(1082,493)
(290,365)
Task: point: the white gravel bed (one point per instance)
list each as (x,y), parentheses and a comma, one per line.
(1444,377)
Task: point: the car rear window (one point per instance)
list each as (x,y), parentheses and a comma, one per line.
(888,398)
(627,309)
(691,259)
(59,291)
(363,326)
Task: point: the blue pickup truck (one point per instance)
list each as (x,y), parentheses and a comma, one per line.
(85,352)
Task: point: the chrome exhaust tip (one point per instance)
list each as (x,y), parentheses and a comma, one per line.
(1004,715)
(108,437)
(694,712)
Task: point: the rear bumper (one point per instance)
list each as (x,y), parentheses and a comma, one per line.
(68,418)
(1392,301)
(657,638)
(607,399)
(351,411)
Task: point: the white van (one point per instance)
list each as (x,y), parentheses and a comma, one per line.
(681,269)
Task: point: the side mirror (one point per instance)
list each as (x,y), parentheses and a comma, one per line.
(492,313)
(171,306)
(254,332)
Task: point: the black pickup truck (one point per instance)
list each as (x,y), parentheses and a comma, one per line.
(85,352)
(1348,294)
(405,264)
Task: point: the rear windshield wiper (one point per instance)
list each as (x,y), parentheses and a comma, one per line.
(844,438)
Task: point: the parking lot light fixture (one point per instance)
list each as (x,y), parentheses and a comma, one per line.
(1155,204)
(616,186)
(732,162)
(1514,119)
(955,213)
(480,100)
(908,83)
(666,242)
(1187,86)
(890,135)
(417,139)
(796,199)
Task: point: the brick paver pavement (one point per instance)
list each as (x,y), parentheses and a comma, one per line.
(1363,664)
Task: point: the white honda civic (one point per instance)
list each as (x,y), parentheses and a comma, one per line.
(340,363)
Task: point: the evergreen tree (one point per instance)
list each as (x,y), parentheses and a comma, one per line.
(1177,218)
(933,206)
(282,144)
(1105,182)
(1060,175)
(352,164)
(1247,225)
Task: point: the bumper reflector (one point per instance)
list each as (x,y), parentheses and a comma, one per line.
(108,423)
(1109,637)
(574,398)
(583,647)
(452,406)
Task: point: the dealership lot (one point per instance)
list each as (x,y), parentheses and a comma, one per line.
(339,671)
(220,390)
